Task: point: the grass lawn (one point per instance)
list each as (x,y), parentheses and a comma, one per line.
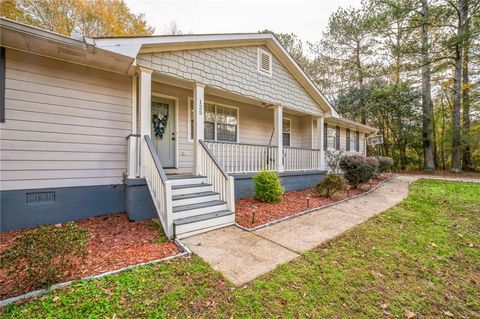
(420,258)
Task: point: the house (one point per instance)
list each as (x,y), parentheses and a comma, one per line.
(167,126)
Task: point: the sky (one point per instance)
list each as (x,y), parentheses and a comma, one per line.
(305,18)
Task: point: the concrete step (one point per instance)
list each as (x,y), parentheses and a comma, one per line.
(186,180)
(190,226)
(194,198)
(191,188)
(197,209)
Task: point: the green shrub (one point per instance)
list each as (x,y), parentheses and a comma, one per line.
(375,164)
(45,253)
(357,169)
(385,164)
(331,185)
(268,187)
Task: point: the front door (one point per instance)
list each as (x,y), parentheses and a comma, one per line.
(163,130)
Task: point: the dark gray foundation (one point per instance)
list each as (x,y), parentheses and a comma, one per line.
(28,208)
(291,181)
(139,203)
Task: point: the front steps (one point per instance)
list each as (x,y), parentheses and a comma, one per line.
(196,207)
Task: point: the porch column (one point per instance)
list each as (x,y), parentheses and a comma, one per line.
(198,124)
(278,129)
(320,128)
(133,138)
(145,112)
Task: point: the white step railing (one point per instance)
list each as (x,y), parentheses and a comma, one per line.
(217,176)
(160,188)
(244,158)
(301,159)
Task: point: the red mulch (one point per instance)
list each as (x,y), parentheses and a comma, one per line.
(115,243)
(293,203)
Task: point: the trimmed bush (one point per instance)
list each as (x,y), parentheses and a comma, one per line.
(374,162)
(46,253)
(357,169)
(268,187)
(385,164)
(331,185)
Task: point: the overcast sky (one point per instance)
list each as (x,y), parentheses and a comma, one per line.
(305,18)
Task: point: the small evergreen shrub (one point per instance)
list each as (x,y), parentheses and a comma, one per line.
(268,187)
(357,169)
(385,164)
(45,253)
(375,164)
(331,185)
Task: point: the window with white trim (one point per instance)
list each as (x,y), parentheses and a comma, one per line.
(264,62)
(286,130)
(331,137)
(220,123)
(354,137)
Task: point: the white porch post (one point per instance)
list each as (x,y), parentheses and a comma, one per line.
(320,128)
(278,129)
(132,139)
(145,106)
(198,124)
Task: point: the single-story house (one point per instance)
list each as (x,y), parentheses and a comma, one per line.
(167,126)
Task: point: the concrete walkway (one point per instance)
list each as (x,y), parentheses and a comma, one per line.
(242,256)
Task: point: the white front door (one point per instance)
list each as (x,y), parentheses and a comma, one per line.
(163,130)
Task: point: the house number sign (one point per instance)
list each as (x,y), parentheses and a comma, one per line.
(200,107)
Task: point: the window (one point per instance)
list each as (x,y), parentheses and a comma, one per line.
(220,123)
(331,138)
(354,139)
(286,125)
(264,62)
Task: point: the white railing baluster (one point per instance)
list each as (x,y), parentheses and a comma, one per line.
(159,187)
(248,158)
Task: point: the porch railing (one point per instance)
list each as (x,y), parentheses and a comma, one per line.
(244,158)
(301,159)
(249,158)
(160,188)
(217,176)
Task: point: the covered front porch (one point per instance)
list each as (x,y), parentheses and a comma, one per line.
(198,141)
(245,135)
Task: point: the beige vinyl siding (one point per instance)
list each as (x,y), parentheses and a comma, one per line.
(255,124)
(65,124)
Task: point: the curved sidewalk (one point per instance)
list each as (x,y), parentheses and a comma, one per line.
(242,256)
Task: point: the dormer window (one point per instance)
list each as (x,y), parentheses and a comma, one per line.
(264,62)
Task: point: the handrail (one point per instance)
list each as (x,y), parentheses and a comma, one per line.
(245,158)
(156,160)
(235,143)
(216,175)
(160,187)
(213,158)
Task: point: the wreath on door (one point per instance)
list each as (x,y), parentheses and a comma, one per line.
(159,124)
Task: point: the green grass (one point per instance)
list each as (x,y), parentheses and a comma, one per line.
(421,256)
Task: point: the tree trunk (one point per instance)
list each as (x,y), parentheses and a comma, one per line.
(467,164)
(427,105)
(457,94)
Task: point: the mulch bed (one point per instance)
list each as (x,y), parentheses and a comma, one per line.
(115,242)
(250,212)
